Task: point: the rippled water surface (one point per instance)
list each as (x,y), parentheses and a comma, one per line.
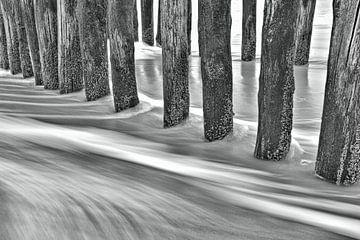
(70,169)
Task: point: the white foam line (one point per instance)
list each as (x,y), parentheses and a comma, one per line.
(54,96)
(341,225)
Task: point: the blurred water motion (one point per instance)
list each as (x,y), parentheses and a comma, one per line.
(75,170)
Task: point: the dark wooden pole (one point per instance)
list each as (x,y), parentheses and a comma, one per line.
(248,45)
(158,34)
(189,25)
(136,22)
(216,67)
(70,64)
(25,59)
(304,31)
(201,25)
(46,25)
(175,61)
(4,59)
(27,7)
(338,158)
(147,21)
(276,83)
(121,28)
(93,39)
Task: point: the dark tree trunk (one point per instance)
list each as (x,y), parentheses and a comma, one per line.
(248,45)
(46,25)
(158,34)
(276,83)
(27,7)
(175,61)
(147,22)
(136,22)
(4,60)
(120,17)
(12,38)
(338,159)
(216,67)
(304,31)
(189,22)
(25,58)
(93,39)
(70,65)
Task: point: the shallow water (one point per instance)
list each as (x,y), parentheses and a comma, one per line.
(70,169)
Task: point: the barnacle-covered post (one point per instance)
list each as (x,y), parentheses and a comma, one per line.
(175,63)
(93,39)
(12,38)
(27,7)
(46,25)
(201,25)
(216,67)
(158,33)
(338,158)
(189,25)
(25,59)
(4,60)
(136,22)
(304,31)
(69,53)
(248,45)
(147,22)
(121,35)
(276,82)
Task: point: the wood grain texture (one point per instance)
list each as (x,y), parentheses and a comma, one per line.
(27,7)
(69,53)
(304,31)
(4,58)
(216,67)
(93,39)
(25,59)
(248,44)
(338,158)
(147,22)
(276,82)
(121,35)
(175,61)
(46,25)
(11,37)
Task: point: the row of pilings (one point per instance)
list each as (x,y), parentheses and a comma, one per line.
(63,44)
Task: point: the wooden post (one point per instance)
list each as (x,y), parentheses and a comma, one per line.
(248,45)
(201,25)
(147,21)
(175,61)
(46,25)
(158,34)
(189,23)
(69,53)
(25,59)
(93,39)
(338,158)
(120,17)
(304,31)
(136,22)
(4,59)
(27,7)
(276,83)
(216,67)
